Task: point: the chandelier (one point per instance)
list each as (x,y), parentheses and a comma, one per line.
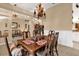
(39,11)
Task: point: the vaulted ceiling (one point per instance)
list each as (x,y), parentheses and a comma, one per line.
(31,6)
(22,8)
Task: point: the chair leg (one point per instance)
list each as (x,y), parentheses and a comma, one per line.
(52,54)
(56,48)
(24,53)
(56,51)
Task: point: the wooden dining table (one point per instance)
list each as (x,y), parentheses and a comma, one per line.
(31,48)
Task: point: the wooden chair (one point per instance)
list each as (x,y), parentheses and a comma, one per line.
(24,52)
(49,47)
(8,48)
(26,34)
(5,35)
(46,51)
(56,44)
(51,44)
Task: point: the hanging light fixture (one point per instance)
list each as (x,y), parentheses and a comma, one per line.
(14,13)
(39,11)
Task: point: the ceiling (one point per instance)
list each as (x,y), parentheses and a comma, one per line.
(31,6)
(22,8)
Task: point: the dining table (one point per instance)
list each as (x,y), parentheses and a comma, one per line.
(31,46)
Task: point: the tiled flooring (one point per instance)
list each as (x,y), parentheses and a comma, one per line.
(63,51)
(67,51)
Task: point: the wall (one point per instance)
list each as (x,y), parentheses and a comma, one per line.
(59,17)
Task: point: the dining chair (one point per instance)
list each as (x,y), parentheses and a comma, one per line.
(24,52)
(51,44)
(8,48)
(35,32)
(46,50)
(29,34)
(56,44)
(43,52)
(17,50)
(5,36)
(26,34)
(49,47)
(54,38)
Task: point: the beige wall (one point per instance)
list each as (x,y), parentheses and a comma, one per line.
(59,17)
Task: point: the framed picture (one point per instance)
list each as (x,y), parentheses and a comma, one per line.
(14,25)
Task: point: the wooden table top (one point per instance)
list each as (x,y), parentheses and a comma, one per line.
(32,48)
